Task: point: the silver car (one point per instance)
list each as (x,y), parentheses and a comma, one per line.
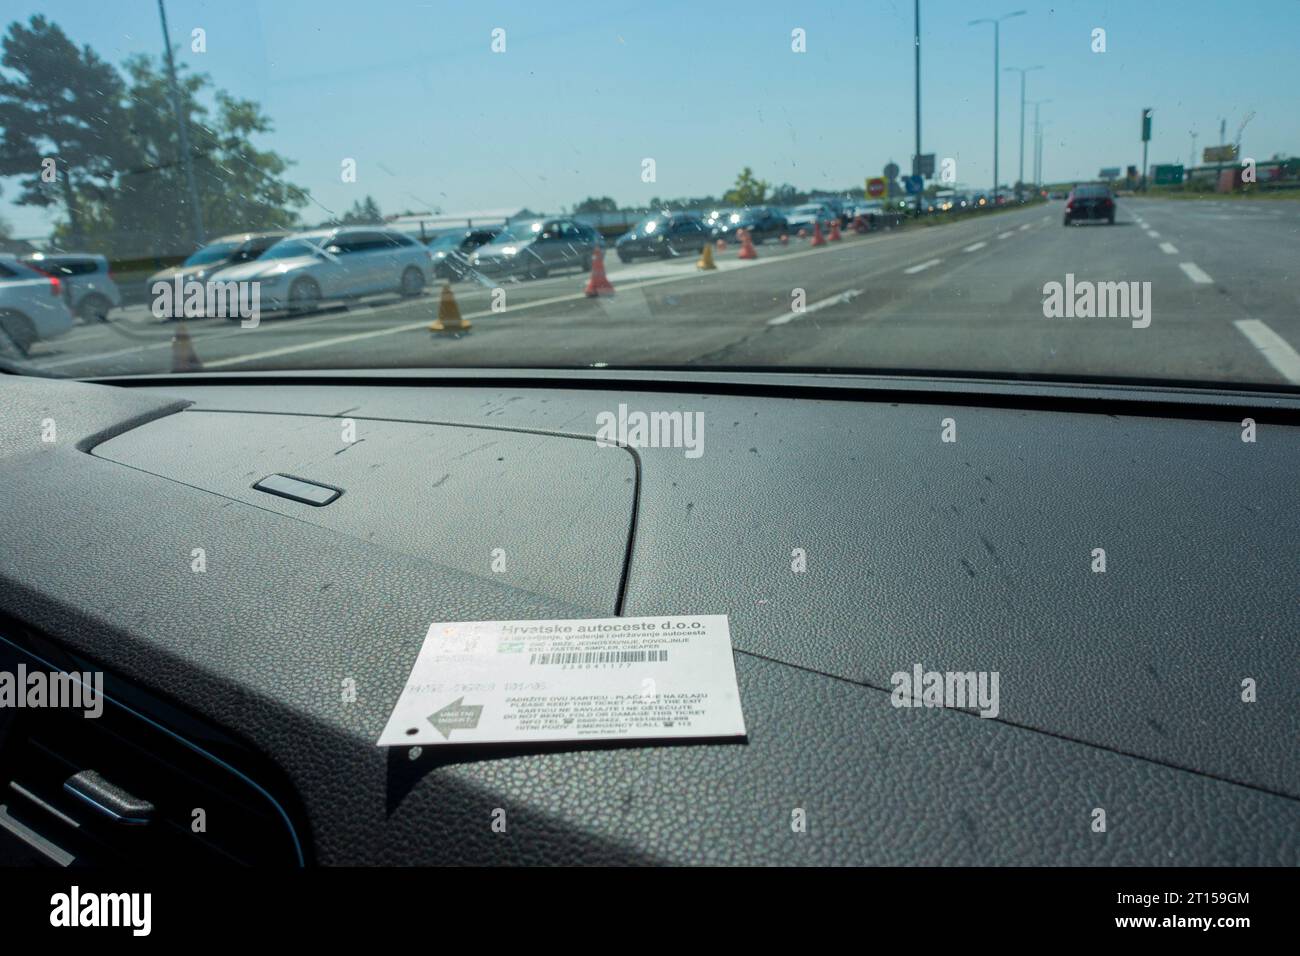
(534,249)
(303,270)
(88,286)
(32,306)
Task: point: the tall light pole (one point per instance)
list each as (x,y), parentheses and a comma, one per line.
(997,22)
(182,135)
(1041,137)
(1192,160)
(1038,172)
(1022,71)
(916,171)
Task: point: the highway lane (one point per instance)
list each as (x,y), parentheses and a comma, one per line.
(961,297)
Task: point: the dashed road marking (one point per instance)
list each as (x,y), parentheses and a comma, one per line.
(1169,247)
(1273,347)
(1006,235)
(922,266)
(975,245)
(1195,273)
(846,296)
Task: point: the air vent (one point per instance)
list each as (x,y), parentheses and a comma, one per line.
(121,789)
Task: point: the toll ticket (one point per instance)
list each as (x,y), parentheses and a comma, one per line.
(618,678)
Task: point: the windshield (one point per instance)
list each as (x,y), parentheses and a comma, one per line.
(217,252)
(448,242)
(291,249)
(1088,192)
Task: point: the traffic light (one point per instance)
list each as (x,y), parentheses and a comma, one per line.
(1146,125)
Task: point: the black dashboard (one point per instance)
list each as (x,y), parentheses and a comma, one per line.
(939,523)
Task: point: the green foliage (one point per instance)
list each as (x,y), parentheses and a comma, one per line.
(121,184)
(748,191)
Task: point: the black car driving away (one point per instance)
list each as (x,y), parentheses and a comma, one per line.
(1090,202)
(661,236)
(759,221)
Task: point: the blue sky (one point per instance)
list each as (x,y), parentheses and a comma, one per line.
(411,90)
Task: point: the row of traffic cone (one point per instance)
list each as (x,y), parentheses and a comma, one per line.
(450,320)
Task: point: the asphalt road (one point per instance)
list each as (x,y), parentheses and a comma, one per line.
(963,297)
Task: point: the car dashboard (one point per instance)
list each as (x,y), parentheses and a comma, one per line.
(850,527)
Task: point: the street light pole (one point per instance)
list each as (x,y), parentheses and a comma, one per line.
(1037,141)
(182,135)
(997,22)
(916,171)
(1022,72)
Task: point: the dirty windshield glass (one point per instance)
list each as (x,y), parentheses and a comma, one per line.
(1088,191)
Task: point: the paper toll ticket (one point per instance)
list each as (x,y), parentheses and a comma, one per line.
(617,678)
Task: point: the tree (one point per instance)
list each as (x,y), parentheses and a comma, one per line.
(363,212)
(240,187)
(748,190)
(63,105)
(592,204)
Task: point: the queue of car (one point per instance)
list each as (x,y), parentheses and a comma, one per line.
(296,272)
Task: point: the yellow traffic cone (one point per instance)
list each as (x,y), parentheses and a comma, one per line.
(449,318)
(706,258)
(184,358)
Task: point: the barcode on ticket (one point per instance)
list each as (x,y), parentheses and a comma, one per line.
(600,657)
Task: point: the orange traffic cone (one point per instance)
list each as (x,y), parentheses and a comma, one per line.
(722,245)
(835,230)
(803,233)
(859,225)
(785,240)
(449,318)
(599,283)
(818,239)
(747,250)
(706,258)
(184,358)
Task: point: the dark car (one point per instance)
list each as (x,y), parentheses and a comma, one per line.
(534,249)
(451,251)
(760,222)
(1090,202)
(661,236)
(219,254)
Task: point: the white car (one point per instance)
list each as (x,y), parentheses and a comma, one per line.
(88,286)
(303,270)
(32,306)
(803,217)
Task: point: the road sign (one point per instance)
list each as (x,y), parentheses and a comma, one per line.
(914,185)
(923,165)
(891,170)
(1169,174)
(1220,154)
(1110,172)
(1146,125)
(876,187)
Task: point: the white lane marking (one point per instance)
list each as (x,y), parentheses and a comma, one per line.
(1195,273)
(1273,347)
(1006,235)
(921,267)
(1169,248)
(975,245)
(1153,234)
(1024,227)
(202,334)
(846,296)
